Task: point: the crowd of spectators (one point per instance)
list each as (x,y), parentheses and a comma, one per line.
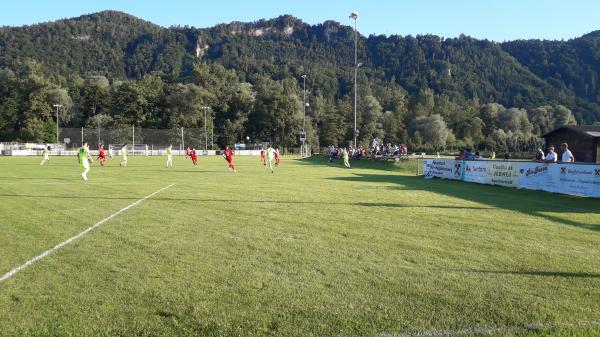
(552,157)
(467,154)
(354,153)
(375,151)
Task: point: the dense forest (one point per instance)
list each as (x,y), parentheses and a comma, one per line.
(430,92)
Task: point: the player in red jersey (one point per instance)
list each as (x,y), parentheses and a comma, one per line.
(194,157)
(228,154)
(277,157)
(187,153)
(263,156)
(101,155)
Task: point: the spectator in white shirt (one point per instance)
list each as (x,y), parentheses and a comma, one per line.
(551,157)
(567,156)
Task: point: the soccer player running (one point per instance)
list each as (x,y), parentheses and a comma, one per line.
(228,154)
(84,160)
(188,154)
(169,156)
(124,153)
(270,156)
(277,157)
(101,155)
(45,153)
(346,159)
(194,157)
(263,156)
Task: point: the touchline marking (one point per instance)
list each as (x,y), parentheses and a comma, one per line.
(528,327)
(76,237)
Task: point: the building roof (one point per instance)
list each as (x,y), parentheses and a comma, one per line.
(586,130)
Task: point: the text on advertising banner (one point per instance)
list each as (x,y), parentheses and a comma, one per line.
(476,171)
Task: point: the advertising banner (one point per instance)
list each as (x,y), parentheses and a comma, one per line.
(443,168)
(576,179)
(476,171)
(503,173)
(536,176)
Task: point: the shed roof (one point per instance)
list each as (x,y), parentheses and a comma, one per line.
(586,130)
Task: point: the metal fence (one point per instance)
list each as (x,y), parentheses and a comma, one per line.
(136,137)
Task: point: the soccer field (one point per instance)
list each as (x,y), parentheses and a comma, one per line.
(313,250)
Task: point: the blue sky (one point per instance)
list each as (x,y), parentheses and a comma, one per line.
(497,20)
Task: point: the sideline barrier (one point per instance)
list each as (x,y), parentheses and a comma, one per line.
(573,179)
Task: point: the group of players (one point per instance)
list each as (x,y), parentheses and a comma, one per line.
(268,157)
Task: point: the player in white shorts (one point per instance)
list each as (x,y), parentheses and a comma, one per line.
(45,152)
(84,160)
(124,153)
(169,156)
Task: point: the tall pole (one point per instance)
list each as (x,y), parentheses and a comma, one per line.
(354,16)
(205,108)
(304,103)
(182,144)
(57,106)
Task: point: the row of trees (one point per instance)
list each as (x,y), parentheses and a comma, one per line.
(265,109)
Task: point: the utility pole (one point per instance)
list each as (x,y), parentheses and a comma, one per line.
(205,108)
(354,16)
(57,106)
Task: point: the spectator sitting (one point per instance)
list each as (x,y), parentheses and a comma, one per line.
(551,157)
(477,156)
(539,156)
(461,154)
(468,155)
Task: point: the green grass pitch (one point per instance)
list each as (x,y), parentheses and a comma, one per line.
(313,250)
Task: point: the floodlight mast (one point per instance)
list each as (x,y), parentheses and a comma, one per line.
(304,103)
(354,16)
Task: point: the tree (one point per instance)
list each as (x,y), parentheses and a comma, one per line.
(432,130)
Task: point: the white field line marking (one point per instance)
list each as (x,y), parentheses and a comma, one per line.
(76,237)
(527,327)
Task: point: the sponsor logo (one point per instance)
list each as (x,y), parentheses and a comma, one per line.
(597,172)
(457,169)
(563,170)
(534,171)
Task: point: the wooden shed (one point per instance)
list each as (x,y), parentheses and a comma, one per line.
(583,140)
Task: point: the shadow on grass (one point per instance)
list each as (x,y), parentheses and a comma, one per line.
(536,273)
(362,204)
(408,166)
(535,203)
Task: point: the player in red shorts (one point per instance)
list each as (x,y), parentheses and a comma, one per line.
(263,156)
(101,155)
(187,153)
(277,157)
(194,157)
(228,154)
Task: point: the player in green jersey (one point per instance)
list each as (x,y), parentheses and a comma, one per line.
(45,153)
(270,157)
(169,156)
(346,159)
(84,160)
(124,153)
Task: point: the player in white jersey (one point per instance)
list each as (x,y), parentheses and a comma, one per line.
(124,153)
(169,156)
(45,153)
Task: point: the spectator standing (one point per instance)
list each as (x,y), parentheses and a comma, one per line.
(551,157)
(567,156)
